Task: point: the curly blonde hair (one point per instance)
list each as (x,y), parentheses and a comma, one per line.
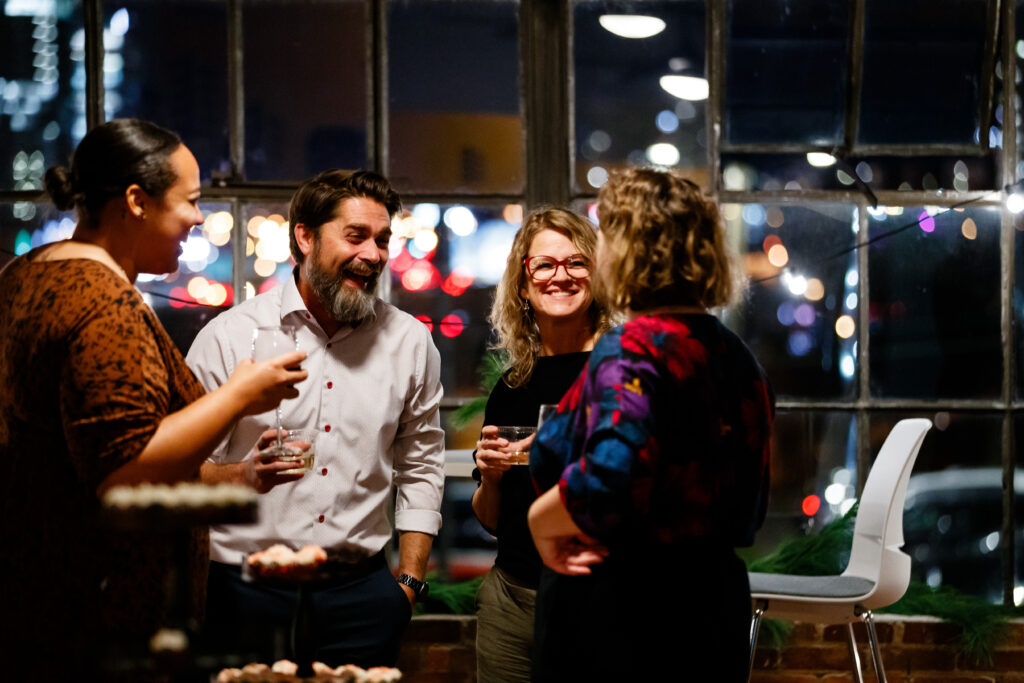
(510,315)
(664,244)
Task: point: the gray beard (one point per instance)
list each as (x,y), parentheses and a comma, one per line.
(345,304)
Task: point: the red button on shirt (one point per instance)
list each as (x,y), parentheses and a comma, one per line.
(327,428)
(321,518)
(324,471)
(330,385)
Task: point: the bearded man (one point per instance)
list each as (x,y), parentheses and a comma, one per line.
(373,393)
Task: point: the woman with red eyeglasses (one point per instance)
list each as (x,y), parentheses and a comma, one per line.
(547,321)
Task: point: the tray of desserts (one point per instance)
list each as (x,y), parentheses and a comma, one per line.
(310,564)
(181,505)
(285,671)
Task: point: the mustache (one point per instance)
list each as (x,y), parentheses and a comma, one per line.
(362,269)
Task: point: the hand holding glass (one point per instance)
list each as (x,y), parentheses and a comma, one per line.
(270,342)
(298,446)
(519,440)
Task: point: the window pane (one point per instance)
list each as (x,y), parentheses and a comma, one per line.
(624,114)
(167,62)
(953,514)
(454,120)
(201,288)
(935,303)
(799,314)
(305,87)
(27,225)
(1018,510)
(814,461)
(773,51)
(463,549)
(42,89)
(1018,303)
(445,261)
(920,59)
(796,172)
(268,259)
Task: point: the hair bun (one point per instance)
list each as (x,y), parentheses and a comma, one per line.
(59,187)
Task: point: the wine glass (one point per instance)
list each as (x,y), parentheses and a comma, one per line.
(546,411)
(269,342)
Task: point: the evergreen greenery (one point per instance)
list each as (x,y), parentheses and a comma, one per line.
(490,371)
(828,552)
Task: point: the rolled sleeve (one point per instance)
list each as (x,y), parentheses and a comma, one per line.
(418,449)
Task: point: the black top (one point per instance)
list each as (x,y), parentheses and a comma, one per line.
(552,376)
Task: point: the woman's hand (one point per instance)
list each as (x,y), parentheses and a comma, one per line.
(561,544)
(260,386)
(264,471)
(570,555)
(491,457)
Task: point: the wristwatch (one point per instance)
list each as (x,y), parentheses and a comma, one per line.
(420,588)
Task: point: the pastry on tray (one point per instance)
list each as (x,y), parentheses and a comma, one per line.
(285,671)
(185,503)
(281,562)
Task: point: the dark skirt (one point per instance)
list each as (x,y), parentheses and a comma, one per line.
(681,612)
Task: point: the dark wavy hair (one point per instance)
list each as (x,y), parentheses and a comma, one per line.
(316,201)
(664,244)
(110,158)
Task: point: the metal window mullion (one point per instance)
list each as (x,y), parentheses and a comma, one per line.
(1007,236)
(863,350)
(715,67)
(236,90)
(92,17)
(988,73)
(544,70)
(377,86)
(239,236)
(854,75)
(885,197)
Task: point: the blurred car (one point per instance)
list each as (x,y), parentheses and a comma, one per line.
(952,524)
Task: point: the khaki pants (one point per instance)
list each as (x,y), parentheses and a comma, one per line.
(504,629)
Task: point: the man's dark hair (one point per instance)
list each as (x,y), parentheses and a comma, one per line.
(316,201)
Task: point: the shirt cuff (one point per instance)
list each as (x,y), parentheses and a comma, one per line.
(425,521)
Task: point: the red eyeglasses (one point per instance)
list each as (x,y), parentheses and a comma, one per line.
(543,268)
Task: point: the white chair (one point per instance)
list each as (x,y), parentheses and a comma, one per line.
(878,572)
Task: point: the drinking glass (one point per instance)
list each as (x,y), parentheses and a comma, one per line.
(518,451)
(298,446)
(269,342)
(546,411)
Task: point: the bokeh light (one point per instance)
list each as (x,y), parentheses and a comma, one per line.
(810,505)
(778,256)
(845,327)
(815,290)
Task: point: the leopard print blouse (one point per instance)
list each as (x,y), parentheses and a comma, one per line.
(86,374)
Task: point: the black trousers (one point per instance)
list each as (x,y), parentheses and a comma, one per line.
(356,621)
(671,614)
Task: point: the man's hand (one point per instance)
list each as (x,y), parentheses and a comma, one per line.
(413,552)
(264,471)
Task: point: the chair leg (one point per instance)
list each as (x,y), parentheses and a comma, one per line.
(876,653)
(755,624)
(858,674)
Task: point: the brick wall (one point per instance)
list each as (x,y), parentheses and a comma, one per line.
(914,650)
(440,648)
